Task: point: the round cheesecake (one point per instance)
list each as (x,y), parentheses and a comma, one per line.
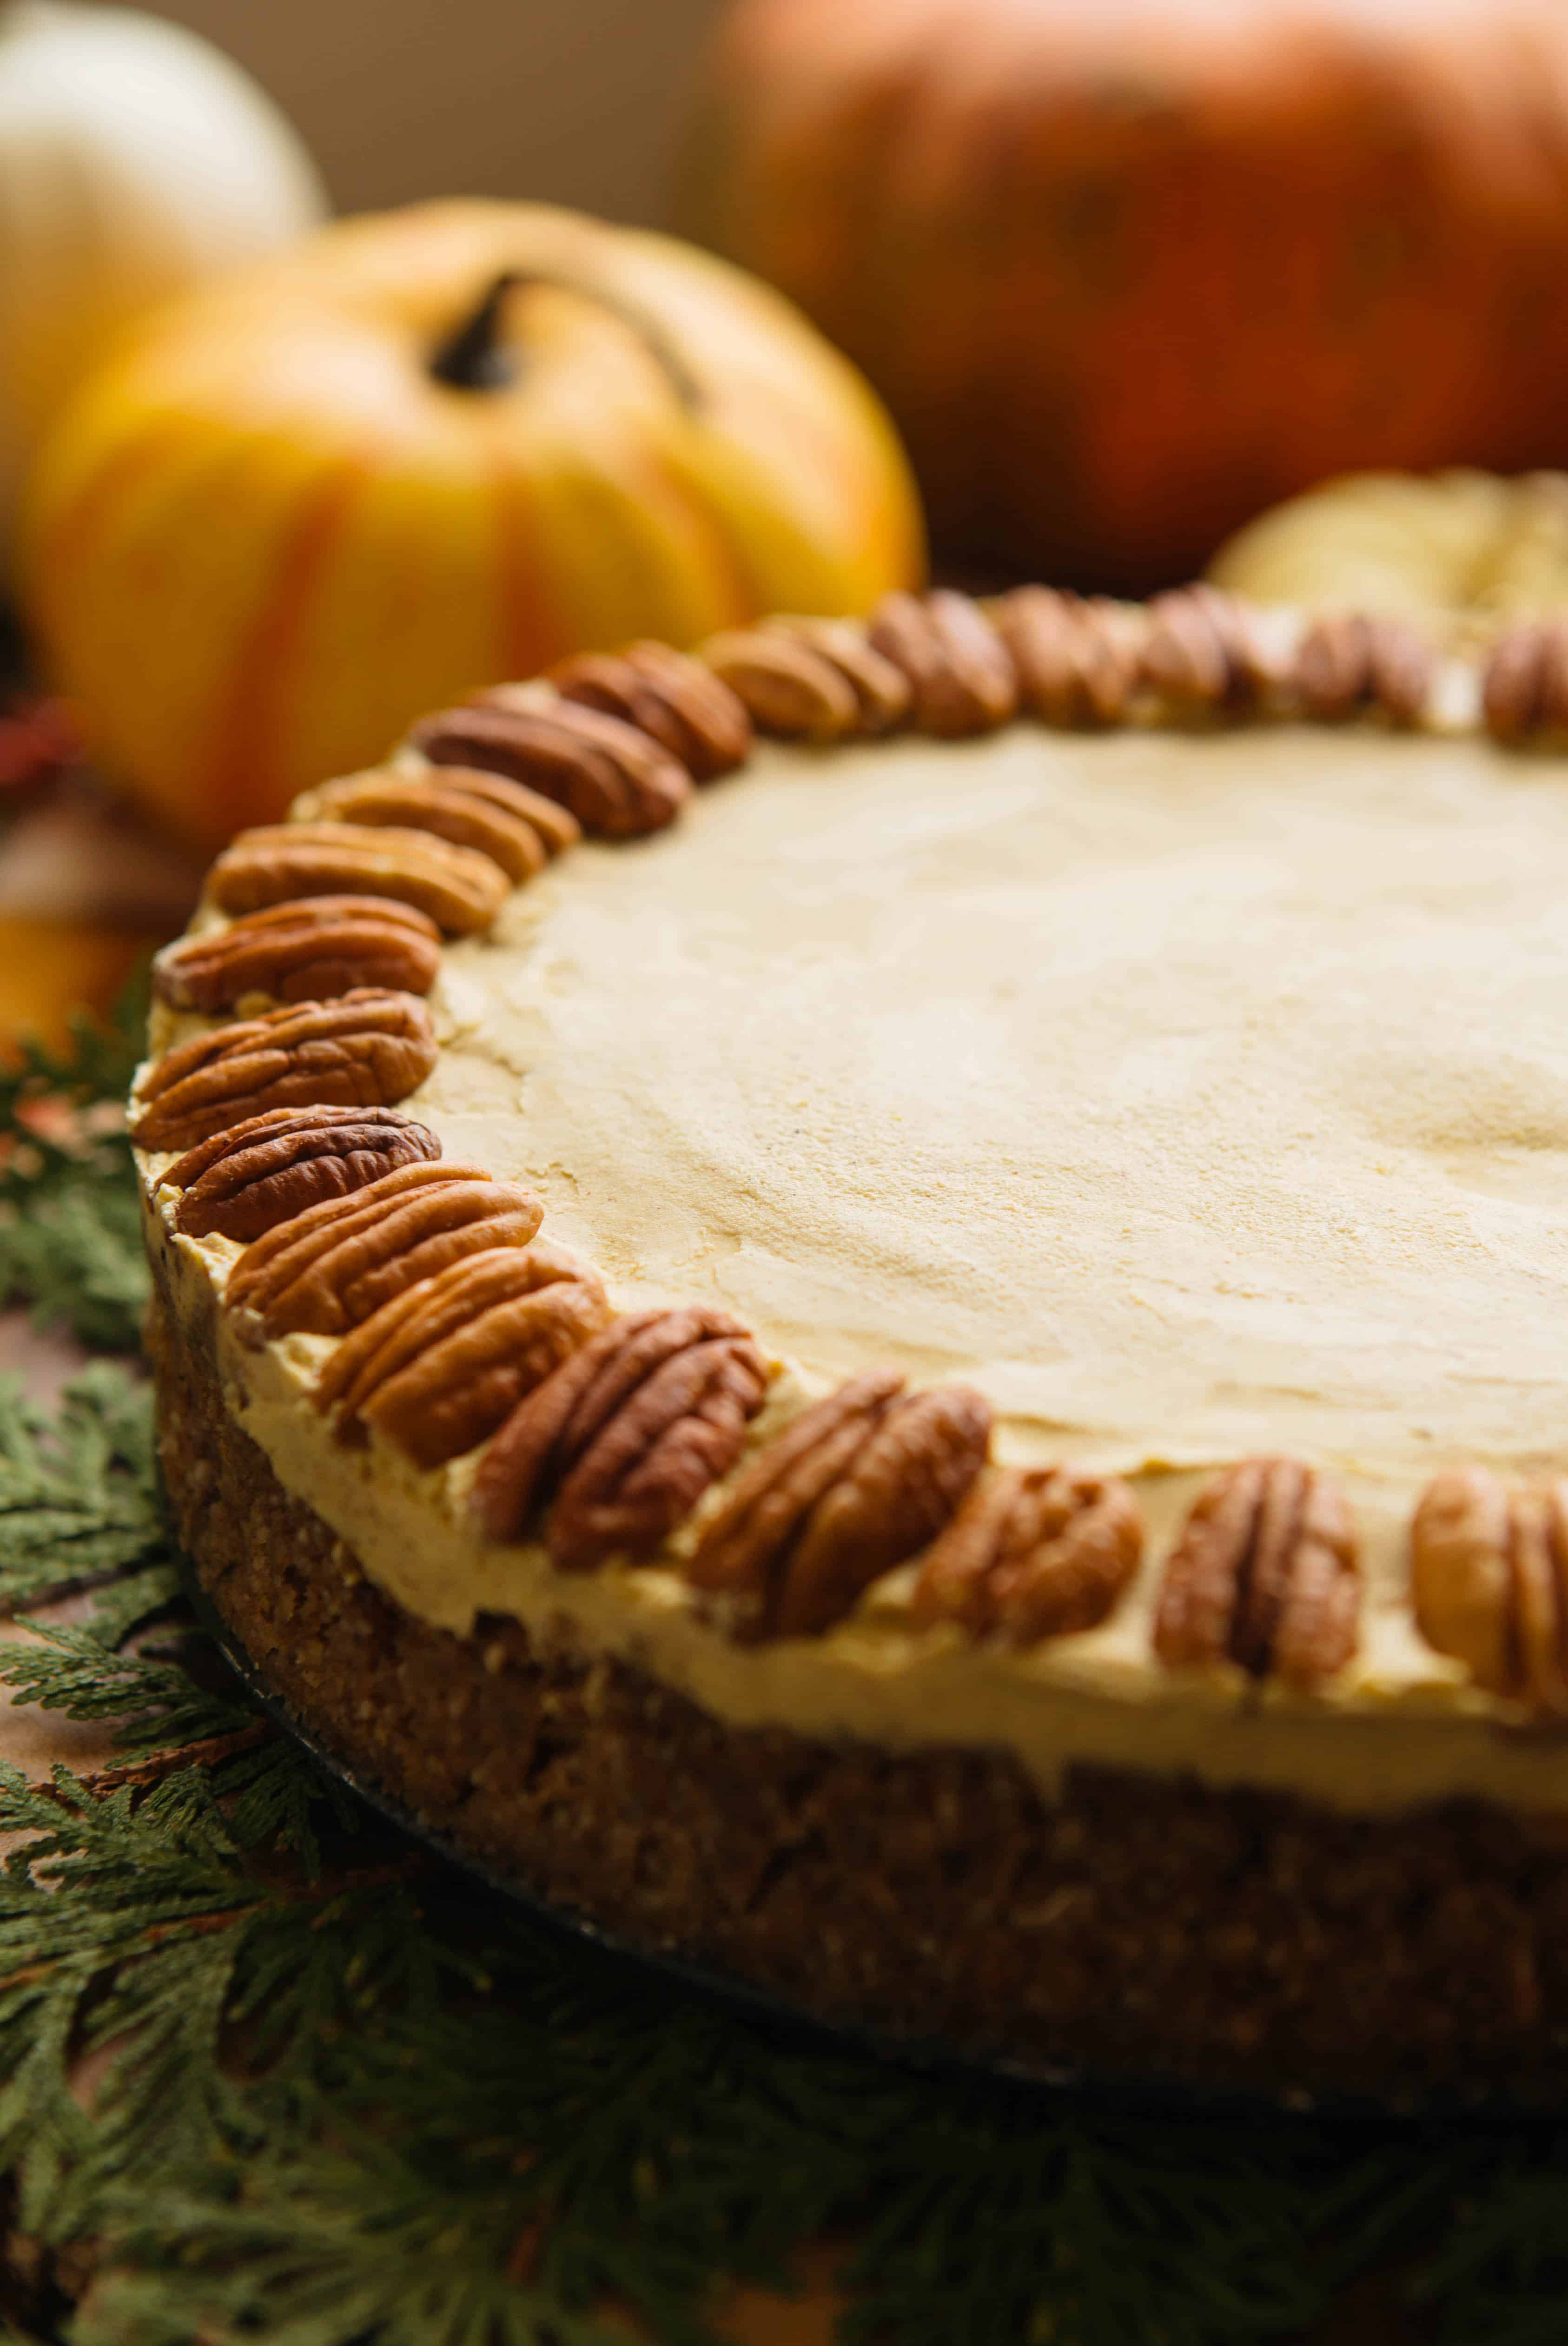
(925,1369)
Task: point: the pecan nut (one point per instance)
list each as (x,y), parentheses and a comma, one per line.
(1266,1573)
(609,776)
(246,1180)
(1524,684)
(626,1436)
(370,1050)
(1033,1553)
(459,890)
(1077,661)
(443,1364)
(432,803)
(338,1262)
(307,952)
(881,691)
(788,687)
(678,702)
(1201,655)
(1353,664)
(1488,1577)
(961,674)
(857,1483)
(555,827)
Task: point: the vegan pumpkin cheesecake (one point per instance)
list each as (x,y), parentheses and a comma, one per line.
(884,1307)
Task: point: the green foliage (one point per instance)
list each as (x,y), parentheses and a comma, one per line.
(77,1496)
(268,2075)
(69,1241)
(73,1248)
(1502,2274)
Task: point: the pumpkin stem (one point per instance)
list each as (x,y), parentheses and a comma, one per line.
(474,357)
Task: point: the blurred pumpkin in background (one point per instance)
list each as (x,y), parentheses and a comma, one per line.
(420,453)
(49,970)
(1464,544)
(135,159)
(1127,273)
(86,891)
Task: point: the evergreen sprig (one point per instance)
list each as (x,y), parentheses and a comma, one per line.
(269,2073)
(78,1502)
(69,1235)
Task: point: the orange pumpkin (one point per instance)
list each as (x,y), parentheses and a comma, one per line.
(420,453)
(1128,272)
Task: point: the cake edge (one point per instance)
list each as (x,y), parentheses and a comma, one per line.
(1136,1925)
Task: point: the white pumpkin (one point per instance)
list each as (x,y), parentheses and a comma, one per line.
(134,159)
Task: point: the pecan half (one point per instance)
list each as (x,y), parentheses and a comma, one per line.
(430,803)
(1488,1576)
(612,778)
(307,952)
(1351,664)
(961,673)
(459,890)
(1033,1552)
(555,827)
(860,1481)
(678,702)
(1077,661)
(1199,654)
(881,690)
(246,1180)
(370,1050)
(329,1268)
(1524,685)
(788,687)
(442,1366)
(626,1436)
(1266,1574)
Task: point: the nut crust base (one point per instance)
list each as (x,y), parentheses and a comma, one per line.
(1139,1926)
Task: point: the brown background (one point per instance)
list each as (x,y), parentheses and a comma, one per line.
(573,101)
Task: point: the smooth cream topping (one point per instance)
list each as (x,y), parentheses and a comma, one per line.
(1189,1095)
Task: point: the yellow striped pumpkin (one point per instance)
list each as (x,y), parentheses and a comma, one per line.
(421,452)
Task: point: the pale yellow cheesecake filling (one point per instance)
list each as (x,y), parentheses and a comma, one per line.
(1191,1096)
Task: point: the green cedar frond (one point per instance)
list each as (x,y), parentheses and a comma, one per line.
(326,2249)
(73,1250)
(151,1703)
(77,1495)
(1502,2272)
